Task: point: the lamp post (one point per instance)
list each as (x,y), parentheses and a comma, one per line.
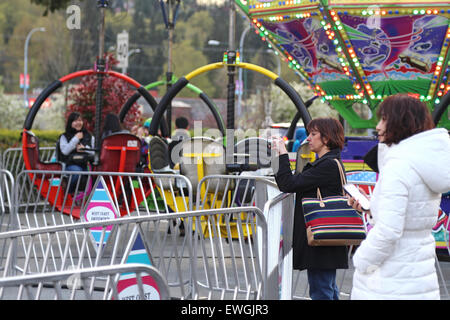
(132,51)
(25,63)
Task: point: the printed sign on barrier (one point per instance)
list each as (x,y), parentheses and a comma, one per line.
(127,287)
(100,207)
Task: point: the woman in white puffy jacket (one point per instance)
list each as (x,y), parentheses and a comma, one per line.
(397,259)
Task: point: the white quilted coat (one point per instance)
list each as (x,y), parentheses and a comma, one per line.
(397,259)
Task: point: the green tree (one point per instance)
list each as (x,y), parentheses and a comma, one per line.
(52,5)
(116,92)
(255,108)
(284,110)
(148,33)
(19,18)
(12,112)
(187,54)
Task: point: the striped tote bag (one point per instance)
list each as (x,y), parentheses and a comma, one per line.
(330,221)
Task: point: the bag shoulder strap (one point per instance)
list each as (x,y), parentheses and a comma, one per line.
(343,180)
(342,175)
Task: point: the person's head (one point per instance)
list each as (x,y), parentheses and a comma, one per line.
(300,134)
(74,122)
(112,123)
(325,134)
(147,123)
(147,126)
(401,116)
(181,123)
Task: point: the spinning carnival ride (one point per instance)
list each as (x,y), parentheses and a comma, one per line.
(353,51)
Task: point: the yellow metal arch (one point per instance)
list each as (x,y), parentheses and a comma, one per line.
(242,65)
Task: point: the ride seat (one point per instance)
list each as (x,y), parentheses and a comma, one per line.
(159,155)
(202,156)
(34,161)
(158,150)
(120,152)
(256,150)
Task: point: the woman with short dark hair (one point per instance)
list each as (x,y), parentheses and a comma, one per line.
(397,259)
(326,139)
(331,131)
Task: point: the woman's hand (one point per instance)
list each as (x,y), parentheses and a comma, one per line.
(278,145)
(79,135)
(354,203)
(140,132)
(80,147)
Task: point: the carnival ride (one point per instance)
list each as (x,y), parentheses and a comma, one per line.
(353,51)
(116,153)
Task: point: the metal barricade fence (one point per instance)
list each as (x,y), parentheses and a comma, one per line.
(6,200)
(45,198)
(12,158)
(6,203)
(87,284)
(194,266)
(231,268)
(225,191)
(279,214)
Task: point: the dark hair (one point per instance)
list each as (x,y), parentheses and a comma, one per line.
(181,122)
(405,116)
(330,129)
(71,118)
(111,124)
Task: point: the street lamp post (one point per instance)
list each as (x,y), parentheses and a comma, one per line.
(132,51)
(25,63)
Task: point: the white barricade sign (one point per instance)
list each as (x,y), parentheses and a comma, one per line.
(100,207)
(127,287)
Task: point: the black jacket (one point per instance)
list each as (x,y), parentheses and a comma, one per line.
(322,173)
(75,157)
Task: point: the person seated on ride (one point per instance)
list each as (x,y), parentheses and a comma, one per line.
(143,134)
(71,146)
(112,125)
(146,127)
(300,136)
(181,132)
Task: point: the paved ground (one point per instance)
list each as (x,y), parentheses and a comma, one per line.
(300,288)
(344,282)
